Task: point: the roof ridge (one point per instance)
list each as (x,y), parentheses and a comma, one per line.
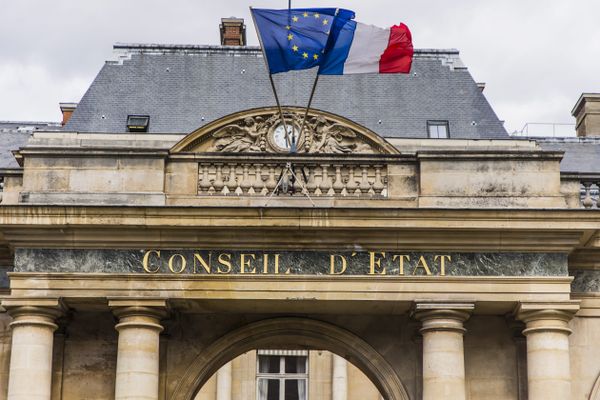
(201,47)
(124,52)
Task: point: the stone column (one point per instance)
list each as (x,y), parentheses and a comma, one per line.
(443,349)
(224,382)
(33,326)
(339,381)
(548,364)
(138,349)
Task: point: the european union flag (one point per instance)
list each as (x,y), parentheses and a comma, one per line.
(298,38)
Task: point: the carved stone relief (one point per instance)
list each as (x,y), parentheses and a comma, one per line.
(265,133)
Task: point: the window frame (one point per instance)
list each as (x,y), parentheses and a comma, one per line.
(437,123)
(282,376)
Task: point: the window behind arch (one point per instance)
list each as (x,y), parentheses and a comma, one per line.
(282,375)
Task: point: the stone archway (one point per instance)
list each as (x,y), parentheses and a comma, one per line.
(595,394)
(296,332)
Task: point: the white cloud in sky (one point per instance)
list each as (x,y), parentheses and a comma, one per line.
(535,56)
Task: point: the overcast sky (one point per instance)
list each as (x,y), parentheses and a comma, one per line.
(536,56)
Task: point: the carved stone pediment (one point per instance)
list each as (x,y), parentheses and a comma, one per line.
(264,131)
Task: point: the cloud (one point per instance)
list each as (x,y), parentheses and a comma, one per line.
(536,58)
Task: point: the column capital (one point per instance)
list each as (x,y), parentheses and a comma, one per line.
(448,316)
(546,317)
(145,313)
(34,311)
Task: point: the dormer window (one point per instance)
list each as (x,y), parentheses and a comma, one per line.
(438,129)
(138,123)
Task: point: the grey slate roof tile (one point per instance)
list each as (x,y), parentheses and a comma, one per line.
(178,86)
(11,141)
(14,134)
(582,155)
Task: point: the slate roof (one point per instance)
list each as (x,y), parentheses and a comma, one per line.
(184,87)
(582,155)
(14,134)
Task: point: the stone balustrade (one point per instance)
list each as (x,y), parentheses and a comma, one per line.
(590,193)
(323,177)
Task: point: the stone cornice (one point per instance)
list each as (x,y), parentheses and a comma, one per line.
(355,294)
(571,219)
(417,229)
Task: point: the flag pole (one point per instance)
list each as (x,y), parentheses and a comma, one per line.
(310,99)
(262,47)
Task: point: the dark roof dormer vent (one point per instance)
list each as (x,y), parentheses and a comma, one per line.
(138,123)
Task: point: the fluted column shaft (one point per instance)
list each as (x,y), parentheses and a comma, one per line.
(30,374)
(548,364)
(138,352)
(443,349)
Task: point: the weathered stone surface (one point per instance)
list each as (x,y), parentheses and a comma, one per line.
(290,262)
(585,281)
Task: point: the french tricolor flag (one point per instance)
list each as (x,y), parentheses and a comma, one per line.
(357,48)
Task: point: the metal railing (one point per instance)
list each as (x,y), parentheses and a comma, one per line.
(546,129)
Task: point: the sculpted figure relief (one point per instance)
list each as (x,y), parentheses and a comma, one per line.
(246,136)
(255,134)
(334,138)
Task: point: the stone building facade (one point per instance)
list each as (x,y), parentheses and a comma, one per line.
(164,244)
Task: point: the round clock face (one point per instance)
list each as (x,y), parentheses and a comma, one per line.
(282,140)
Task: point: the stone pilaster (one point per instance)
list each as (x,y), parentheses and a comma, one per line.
(548,363)
(520,341)
(224,381)
(443,349)
(339,381)
(138,348)
(33,326)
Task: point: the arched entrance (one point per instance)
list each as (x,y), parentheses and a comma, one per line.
(595,394)
(291,333)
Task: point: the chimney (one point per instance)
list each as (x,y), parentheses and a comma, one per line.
(587,115)
(233,32)
(481,86)
(67,110)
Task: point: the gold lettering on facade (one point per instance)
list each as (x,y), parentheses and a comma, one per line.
(375,262)
(250,263)
(146,262)
(225,261)
(422,263)
(182,263)
(245,261)
(266,263)
(402,258)
(332,268)
(443,263)
(199,259)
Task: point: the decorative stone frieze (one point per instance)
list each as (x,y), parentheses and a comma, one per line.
(264,131)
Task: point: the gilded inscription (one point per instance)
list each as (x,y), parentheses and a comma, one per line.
(375,263)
